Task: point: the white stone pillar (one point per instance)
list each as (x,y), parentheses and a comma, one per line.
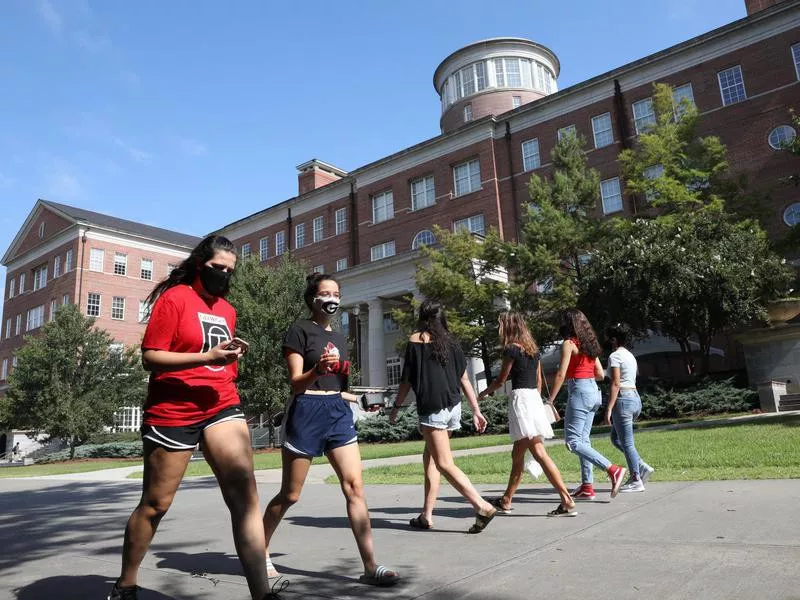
(377,356)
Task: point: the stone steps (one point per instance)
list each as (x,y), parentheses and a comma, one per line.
(789,402)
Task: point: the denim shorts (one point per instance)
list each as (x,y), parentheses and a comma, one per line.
(317,424)
(447,418)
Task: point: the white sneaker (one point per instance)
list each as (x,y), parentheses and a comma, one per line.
(645,471)
(632,486)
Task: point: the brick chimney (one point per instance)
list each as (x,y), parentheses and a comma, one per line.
(754,6)
(315,173)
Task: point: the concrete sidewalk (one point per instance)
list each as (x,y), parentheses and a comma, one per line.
(710,540)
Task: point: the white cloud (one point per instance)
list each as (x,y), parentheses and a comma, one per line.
(50,16)
(92,43)
(61,182)
(136,154)
(190,146)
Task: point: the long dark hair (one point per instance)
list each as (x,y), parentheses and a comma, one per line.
(186,272)
(620,333)
(433,321)
(312,287)
(574,324)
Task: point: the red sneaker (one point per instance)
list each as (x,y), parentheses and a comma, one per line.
(617,476)
(584,492)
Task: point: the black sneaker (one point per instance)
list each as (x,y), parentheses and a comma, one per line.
(124,593)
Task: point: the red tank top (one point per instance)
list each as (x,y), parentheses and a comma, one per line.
(581,366)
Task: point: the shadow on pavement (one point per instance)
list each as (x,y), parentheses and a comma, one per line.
(79,587)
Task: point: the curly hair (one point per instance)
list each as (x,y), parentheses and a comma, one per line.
(574,324)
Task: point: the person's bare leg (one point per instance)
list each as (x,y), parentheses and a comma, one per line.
(551,471)
(433,480)
(294,471)
(515,477)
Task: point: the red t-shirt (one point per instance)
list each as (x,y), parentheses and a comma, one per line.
(581,366)
(182,321)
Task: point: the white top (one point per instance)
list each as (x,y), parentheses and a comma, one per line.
(626,363)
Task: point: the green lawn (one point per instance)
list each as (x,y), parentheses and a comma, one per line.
(769,451)
(61,468)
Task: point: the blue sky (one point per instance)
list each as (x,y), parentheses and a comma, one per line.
(191,114)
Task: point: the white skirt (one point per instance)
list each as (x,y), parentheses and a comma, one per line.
(527,418)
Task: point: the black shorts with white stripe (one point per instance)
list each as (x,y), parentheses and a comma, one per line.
(186,437)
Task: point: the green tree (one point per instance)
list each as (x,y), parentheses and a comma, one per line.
(70,380)
(268,299)
(560,229)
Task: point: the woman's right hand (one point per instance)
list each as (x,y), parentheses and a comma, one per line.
(219,355)
(479,421)
(326,363)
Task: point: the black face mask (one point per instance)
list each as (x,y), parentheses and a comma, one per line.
(215,281)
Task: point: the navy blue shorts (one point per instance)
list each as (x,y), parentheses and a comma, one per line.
(316,425)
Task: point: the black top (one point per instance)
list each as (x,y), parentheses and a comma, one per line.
(309,339)
(436,386)
(524,368)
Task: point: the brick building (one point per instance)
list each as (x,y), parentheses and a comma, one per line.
(501,116)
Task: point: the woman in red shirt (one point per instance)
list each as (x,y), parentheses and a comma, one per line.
(192,355)
(581,368)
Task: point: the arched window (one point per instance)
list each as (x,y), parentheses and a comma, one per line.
(791,216)
(781,136)
(423,238)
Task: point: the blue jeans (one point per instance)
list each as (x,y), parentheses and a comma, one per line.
(625,412)
(584,400)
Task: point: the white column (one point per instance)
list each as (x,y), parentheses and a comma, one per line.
(377,357)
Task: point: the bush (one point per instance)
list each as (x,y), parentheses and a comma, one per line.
(378,429)
(706,397)
(112,450)
(495,409)
(103,437)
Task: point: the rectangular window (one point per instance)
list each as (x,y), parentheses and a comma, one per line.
(319,269)
(601,127)
(40,277)
(56,267)
(53,309)
(96,259)
(341,220)
(319,228)
(4,372)
(146,269)
(530,155)
(65,299)
(731,85)
(93,305)
(382,206)
(384,250)
(652,173)
(299,235)
(244,252)
(170,269)
(467,177)
(611,195)
(796,59)
(68,262)
(8,328)
(393,371)
(11,288)
(568,130)
(144,311)
(118,308)
(17,324)
(516,101)
(473,224)
(389,324)
(280,243)
(467,113)
(341,264)
(35,318)
(120,263)
(644,117)
(263,249)
(682,98)
(423,192)
(21,283)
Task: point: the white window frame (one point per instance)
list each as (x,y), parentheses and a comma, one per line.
(381,251)
(796,59)
(68,261)
(41,230)
(531,159)
(299,235)
(423,192)
(607,185)
(733,78)
(466,177)
(781,137)
(53,309)
(603,130)
(467,113)
(120,265)
(319,269)
(565,131)
(244,251)
(145,273)
(11,287)
(394,370)
(382,206)
(429,239)
(280,243)
(8,327)
(318,229)
(678,94)
(144,312)
(4,372)
(18,324)
(56,266)
(644,115)
(341,220)
(516,101)
(34,318)
(389,324)
(263,248)
(65,300)
(471,224)
(40,277)
(97,258)
(341,264)
(118,308)
(22,283)
(92,307)
(651,173)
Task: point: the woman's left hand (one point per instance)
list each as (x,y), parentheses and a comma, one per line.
(479,422)
(607,419)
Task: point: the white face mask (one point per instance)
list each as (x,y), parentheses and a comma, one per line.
(327,304)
